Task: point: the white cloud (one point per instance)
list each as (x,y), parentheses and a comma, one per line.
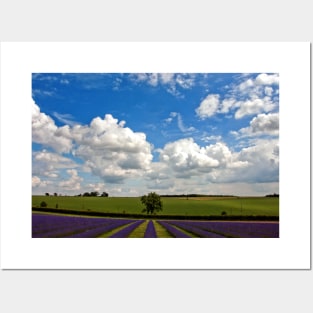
(172,82)
(184,162)
(254,106)
(246,84)
(168,120)
(48,164)
(227,105)
(258,163)
(44,131)
(262,124)
(249,97)
(209,106)
(65,118)
(73,183)
(35,181)
(38,183)
(180,122)
(265,123)
(181,125)
(207,138)
(53,158)
(267,79)
(112,151)
(268,91)
(166,78)
(185,81)
(153,79)
(263,160)
(186,158)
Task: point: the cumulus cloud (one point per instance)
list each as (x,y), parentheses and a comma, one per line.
(73,183)
(38,183)
(186,158)
(166,78)
(267,79)
(44,131)
(172,82)
(112,151)
(262,124)
(254,106)
(268,91)
(255,164)
(209,106)
(48,164)
(35,181)
(249,97)
(246,84)
(184,162)
(53,158)
(263,160)
(265,123)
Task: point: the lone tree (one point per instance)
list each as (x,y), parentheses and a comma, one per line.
(153,203)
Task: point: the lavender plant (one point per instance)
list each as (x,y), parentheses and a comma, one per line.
(173,230)
(150,231)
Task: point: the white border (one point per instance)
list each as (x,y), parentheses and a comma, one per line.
(290,251)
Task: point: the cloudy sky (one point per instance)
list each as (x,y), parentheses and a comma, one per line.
(129,134)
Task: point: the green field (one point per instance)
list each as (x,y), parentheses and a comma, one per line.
(198,206)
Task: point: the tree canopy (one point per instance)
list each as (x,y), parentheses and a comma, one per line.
(152,203)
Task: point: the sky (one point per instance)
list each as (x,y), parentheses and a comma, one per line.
(172,133)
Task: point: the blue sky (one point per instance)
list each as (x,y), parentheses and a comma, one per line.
(128,134)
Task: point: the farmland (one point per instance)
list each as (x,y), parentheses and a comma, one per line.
(117,217)
(202,206)
(63,226)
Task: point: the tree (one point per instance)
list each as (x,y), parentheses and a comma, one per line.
(104,194)
(153,203)
(43,204)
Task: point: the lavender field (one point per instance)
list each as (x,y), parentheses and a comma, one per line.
(65,226)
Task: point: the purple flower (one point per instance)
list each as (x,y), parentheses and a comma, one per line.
(150,231)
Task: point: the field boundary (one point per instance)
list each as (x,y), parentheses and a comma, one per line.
(145,216)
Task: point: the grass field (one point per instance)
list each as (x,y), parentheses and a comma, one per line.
(204,206)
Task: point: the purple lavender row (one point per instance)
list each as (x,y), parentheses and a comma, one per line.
(69,225)
(240,229)
(95,232)
(73,225)
(68,231)
(123,233)
(197,231)
(42,223)
(47,223)
(173,230)
(248,229)
(150,231)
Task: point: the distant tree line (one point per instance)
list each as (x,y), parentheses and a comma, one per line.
(85,194)
(274,195)
(48,194)
(93,194)
(193,195)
